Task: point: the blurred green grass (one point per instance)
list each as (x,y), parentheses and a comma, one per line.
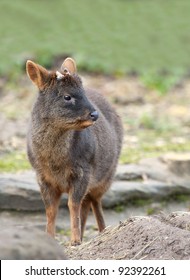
(14,161)
(110,36)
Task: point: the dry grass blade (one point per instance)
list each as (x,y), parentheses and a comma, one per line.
(150,243)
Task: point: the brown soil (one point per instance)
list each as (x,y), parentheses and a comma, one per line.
(160,237)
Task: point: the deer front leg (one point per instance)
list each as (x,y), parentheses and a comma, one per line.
(77,193)
(74,209)
(85,208)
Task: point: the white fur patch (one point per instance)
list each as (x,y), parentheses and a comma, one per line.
(59,75)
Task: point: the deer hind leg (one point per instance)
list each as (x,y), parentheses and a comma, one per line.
(51,199)
(85,208)
(98,212)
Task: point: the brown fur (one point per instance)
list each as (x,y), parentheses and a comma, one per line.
(70,152)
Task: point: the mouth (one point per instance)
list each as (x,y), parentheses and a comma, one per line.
(85,124)
(81,123)
(90,121)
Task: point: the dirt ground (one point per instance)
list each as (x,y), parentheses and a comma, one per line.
(150,238)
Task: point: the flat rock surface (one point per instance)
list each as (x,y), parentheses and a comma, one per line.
(150,179)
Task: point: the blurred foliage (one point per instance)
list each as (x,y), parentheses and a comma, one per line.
(160,125)
(13,162)
(162,82)
(111,36)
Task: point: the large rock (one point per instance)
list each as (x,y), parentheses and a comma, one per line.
(179,164)
(171,168)
(21,192)
(28,244)
(123,192)
(150,179)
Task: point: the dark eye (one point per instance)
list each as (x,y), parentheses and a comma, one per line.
(67,97)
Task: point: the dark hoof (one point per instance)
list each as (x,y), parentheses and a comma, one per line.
(75,243)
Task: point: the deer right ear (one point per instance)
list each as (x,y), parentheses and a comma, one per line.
(69,65)
(38,74)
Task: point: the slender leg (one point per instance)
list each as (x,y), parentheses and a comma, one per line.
(51,199)
(86,204)
(76,195)
(74,209)
(98,212)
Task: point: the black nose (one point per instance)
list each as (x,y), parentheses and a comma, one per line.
(94,116)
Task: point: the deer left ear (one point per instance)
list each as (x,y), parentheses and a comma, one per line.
(38,74)
(69,66)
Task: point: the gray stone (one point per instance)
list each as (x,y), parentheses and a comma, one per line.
(21,192)
(28,244)
(158,169)
(150,179)
(123,192)
(148,168)
(129,172)
(178,163)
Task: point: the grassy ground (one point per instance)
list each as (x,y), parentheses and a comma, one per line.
(14,161)
(110,36)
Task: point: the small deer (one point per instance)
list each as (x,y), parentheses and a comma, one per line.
(73,143)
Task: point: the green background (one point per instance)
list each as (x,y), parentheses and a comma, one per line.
(110,36)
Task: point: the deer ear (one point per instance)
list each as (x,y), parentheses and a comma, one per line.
(69,65)
(38,74)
